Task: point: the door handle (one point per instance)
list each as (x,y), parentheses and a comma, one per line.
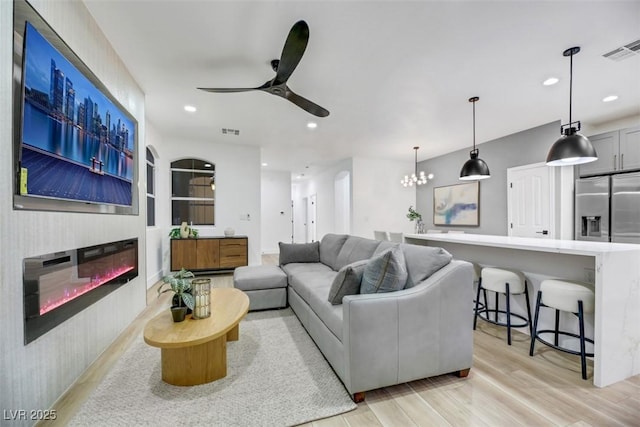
(615,158)
(621,161)
(545,232)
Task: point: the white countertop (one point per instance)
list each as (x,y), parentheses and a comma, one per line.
(574,247)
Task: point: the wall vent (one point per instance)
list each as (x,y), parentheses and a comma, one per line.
(624,52)
(228,131)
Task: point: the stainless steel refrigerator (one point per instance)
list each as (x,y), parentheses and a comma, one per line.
(607,208)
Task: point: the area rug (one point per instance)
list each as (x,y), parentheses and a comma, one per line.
(276,376)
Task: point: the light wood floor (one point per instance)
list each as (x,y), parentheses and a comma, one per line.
(506,387)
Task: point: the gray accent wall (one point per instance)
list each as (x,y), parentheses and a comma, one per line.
(522,148)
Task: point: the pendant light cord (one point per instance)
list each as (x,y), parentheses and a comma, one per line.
(570,85)
(568,129)
(474,100)
(474,125)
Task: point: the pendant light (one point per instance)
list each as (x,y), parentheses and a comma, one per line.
(572,148)
(475,168)
(415,178)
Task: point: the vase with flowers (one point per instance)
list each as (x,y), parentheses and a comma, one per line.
(413,215)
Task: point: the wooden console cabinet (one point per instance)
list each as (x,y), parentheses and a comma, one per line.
(209,253)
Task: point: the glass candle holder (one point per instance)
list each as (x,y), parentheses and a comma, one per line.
(201,289)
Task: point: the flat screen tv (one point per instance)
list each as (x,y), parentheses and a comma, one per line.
(75,146)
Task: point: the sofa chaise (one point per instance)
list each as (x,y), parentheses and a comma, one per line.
(375,339)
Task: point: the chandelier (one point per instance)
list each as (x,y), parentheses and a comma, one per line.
(415,178)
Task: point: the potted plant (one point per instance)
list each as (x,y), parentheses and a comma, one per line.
(414,215)
(180,284)
(176,234)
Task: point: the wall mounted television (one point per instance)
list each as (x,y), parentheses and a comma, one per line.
(75,146)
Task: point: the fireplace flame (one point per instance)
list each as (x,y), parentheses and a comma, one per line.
(76,291)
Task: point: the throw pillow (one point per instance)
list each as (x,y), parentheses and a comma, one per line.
(423,261)
(299,252)
(347,282)
(385,272)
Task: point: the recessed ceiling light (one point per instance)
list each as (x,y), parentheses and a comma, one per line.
(312,125)
(609,98)
(551,81)
(265,164)
(190,108)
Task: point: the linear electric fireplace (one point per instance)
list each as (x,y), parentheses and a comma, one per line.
(59,285)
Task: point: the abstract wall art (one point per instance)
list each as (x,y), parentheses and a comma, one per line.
(456,204)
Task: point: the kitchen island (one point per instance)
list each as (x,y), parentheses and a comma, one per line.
(613,268)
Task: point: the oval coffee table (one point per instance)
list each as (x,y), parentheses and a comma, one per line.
(195,351)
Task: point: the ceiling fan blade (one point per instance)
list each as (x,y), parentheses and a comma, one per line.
(235,89)
(292,51)
(226,90)
(305,104)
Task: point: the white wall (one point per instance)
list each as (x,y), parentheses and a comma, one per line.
(155,234)
(380,202)
(342,203)
(237,190)
(35,375)
(323,185)
(276,210)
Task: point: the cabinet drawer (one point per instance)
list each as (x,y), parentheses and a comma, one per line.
(235,260)
(231,243)
(233,251)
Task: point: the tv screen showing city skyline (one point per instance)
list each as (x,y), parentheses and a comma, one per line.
(76,143)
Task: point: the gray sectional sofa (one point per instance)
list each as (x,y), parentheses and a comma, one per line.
(377,339)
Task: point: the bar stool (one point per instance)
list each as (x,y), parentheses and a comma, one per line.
(380,235)
(477,279)
(564,295)
(507,282)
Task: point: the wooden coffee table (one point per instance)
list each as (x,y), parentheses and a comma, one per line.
(195,351)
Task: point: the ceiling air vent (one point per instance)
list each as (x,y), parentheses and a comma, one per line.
(228,131)
(624,52)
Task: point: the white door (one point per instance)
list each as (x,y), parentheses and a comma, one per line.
(311,219)
(530,195)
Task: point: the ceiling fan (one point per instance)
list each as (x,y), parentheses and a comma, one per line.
(292,51)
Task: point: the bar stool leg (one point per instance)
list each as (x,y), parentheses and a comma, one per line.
(555,339)
(508,315)
(526,295)
(479,285)
(535,324)
(475,317)
(496,312)
(486,305)
(583,357)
